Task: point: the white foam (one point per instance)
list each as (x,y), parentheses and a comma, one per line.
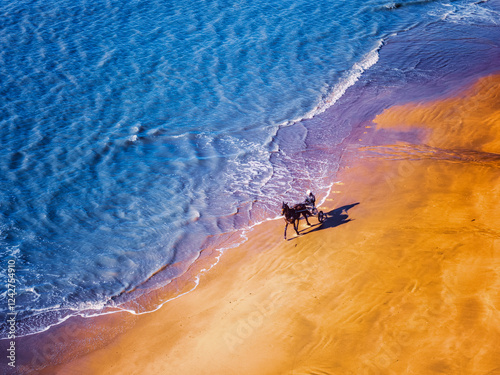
(468,14)
(355,73)
(337,91)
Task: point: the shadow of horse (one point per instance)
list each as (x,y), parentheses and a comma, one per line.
(333,219)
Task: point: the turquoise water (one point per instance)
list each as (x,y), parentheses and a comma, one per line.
(134,134)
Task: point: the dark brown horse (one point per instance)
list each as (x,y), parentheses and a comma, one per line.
(292,215)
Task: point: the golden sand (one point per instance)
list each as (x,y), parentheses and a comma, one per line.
(405,282)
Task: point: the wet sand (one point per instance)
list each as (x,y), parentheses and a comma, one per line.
(402,278)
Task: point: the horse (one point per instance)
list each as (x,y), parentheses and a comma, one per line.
(292,215)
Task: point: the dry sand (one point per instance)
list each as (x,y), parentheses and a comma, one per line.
(405,282)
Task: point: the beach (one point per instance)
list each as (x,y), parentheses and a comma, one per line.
(402,277)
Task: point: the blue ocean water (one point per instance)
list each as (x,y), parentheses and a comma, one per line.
(133,134)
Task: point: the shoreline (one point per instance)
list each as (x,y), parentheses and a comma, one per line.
(403,280)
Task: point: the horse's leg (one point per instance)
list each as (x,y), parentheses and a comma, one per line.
(286,226)
(305,215)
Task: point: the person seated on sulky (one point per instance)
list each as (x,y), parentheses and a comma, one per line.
(310,199)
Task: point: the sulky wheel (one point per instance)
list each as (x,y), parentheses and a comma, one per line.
(321,216)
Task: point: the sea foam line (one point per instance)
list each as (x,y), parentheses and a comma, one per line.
(338,90)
